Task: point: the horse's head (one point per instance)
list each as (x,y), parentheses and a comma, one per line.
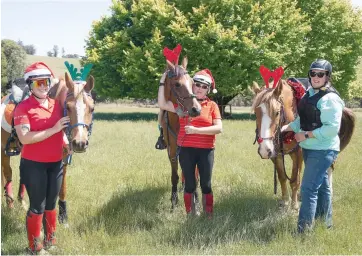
(178,88)
(273,108)
(79,106)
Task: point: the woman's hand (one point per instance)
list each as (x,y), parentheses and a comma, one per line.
(61,124)
(299,136)
(189,129)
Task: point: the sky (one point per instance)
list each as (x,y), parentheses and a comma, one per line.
(45,23)
(66,23)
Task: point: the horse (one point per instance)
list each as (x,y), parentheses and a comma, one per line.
(77,103)
(275,107)
(178,90)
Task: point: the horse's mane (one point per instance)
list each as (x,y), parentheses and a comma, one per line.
(265,96)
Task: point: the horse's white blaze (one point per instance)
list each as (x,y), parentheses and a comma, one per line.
(80,108)
(267,145)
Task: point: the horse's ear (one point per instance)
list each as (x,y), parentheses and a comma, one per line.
(69,82)
(184,62)
(89,85)
(256,87)
(170,66)
(278,89)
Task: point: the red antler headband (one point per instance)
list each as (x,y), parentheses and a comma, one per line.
(172,55)
(267,74)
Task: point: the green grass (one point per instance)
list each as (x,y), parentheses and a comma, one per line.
(119,197)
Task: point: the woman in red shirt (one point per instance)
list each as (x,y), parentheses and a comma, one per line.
(39,123)
(197,140)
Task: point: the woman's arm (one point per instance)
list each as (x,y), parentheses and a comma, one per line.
(28,137)
(216,128)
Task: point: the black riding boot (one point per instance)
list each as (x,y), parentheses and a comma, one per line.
(160,144)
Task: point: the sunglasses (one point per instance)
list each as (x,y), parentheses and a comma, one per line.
(39,83)
(319,74)
(203,86)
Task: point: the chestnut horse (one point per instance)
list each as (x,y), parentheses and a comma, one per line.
(178,89)
(275,108)
(78,104)
(76,101)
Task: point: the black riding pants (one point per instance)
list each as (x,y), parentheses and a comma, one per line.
(42,182)
(203,158)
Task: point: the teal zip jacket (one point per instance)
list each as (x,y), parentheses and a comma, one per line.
(326,137)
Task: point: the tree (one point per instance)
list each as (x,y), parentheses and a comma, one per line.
(50,54)
(232,38)
(63,52)
(29,49)
(15,57)
(55,50)
(4,65)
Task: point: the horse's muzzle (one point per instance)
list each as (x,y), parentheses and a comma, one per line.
(79,146)
(195,112)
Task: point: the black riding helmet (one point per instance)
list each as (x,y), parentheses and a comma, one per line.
(321,64)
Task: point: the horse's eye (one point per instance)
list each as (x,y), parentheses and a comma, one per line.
(177,85)
(277,114)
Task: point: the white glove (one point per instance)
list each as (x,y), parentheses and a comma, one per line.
(163,78)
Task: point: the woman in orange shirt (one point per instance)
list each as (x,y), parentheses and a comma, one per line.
(197,140)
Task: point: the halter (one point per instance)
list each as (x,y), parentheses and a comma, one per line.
(180,99)
(71,127)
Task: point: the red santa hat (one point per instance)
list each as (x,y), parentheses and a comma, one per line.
(38,70)
(205,77)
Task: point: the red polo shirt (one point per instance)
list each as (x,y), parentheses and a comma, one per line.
(40,118)
(209,112)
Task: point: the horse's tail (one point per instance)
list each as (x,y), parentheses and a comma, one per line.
(347,127)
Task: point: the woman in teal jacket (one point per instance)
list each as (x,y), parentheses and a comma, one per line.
(316,128)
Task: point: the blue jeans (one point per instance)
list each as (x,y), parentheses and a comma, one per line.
(315,190)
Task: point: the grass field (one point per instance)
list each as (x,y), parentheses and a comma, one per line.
(119,197)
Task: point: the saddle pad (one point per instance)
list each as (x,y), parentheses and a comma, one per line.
(6,113)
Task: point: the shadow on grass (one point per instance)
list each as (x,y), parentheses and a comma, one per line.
(236,217)
(130,211)
(134,116)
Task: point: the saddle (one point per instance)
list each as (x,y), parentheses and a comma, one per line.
(18,92)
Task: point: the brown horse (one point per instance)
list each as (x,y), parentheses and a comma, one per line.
(77,103)
(275,108)
(178,89)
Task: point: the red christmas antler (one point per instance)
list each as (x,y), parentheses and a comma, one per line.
(267,74)
(172,55)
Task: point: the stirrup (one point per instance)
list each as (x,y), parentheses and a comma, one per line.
(160,144)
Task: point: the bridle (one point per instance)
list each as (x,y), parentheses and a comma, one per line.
(69,128)
(179,99)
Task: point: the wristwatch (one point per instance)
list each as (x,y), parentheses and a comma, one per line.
(306,135)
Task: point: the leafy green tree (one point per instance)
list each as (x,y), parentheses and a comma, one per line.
(15,57)
(4,67)
(336,35)
(232,38)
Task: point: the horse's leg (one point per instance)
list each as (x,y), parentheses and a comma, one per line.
(278,162)
(7,173)
(63,214)
(174,180)
(297,158)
